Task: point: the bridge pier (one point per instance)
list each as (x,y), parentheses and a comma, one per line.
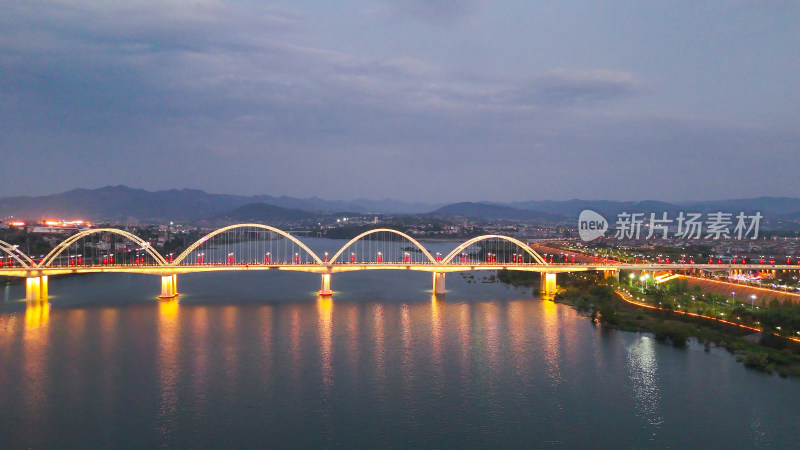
(36,288)
(325,289)
(438,283)
(169,286)
(611,273)
(548,285)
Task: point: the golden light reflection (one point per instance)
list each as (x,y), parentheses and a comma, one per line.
(37,313)
(353,343)
(109,324)
(552,338)
(325,325)
(294,340)
(464,324)
(517,332)
(265,319)
(491,321)
(200,345)
(230,352)
(436,334)
(380,349)
(34,358)
(168,309)
(168,359)
(406,365)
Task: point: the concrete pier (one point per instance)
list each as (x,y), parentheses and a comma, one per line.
(325,288)
(36,288)
(438,283)
(169,286)
(548,286)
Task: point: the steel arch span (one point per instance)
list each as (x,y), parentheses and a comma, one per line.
(205,238)
(536,257)
(384,230)
(12,252)
(75,237)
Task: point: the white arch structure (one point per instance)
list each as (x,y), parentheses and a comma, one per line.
(75,237)
(205,238)
(385,230)
(13,252)
(536,257)
(46,262)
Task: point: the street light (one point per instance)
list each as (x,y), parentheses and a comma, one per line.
(752,300)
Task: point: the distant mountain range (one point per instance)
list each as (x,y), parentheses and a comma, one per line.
(122,203)
(494,211)
(257,212)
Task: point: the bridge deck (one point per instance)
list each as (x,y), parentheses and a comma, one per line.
(349,267)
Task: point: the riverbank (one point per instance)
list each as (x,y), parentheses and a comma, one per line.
(603,304)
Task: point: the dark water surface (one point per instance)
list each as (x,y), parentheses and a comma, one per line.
(256,359)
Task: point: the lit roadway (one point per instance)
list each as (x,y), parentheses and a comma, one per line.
(349,267)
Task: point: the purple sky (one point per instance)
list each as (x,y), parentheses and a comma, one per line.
(437,101)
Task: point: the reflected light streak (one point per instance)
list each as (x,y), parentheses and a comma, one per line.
(34,360)
(325,314)
(109,324)
(551,340)
(643,373)
(230,351)
(464,339)
(265,318)
(436,335)
(167,361)
(380,337)
(517,332)
(37,314)
(491,320)
(406,365)
(201,346)
(353,342)
(294,341)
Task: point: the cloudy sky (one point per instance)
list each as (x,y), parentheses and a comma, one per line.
(418,100)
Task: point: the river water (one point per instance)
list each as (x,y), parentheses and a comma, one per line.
(257,359)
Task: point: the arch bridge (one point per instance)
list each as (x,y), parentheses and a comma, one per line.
(253,247)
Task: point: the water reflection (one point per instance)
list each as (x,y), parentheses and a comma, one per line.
(352,341)
(200,346)
(109,326)
(168,373)
(491,325)
(294,343)
(325,325)
(265,320)
(34,361)
(517,333)
(229,346)
(37,313)
(321,373)
(643,374)
(464,336)
(552,338)
(406,366)
(436,336)
(380,349)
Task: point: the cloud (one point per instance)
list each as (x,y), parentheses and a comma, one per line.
(242,97)
(580,87)
(436,11)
